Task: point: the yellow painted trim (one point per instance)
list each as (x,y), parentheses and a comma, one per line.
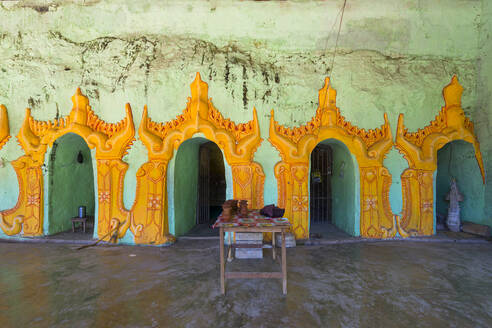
(369,148)
(111,142)
(238,142)
(4,126)
(420,150)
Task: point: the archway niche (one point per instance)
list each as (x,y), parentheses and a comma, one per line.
(70,182)
(457,160)
(332,190)
(199,186)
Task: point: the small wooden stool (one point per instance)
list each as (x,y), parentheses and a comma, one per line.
(79,220)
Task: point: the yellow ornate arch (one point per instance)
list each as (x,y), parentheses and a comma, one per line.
(369,148)
(15,226)
(420,150)
(4,126)
(111,142)
(238,142)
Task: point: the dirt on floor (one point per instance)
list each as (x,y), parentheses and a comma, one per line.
(387,284)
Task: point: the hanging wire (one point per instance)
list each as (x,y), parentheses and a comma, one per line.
(338,37)
(332,28)
(336,45)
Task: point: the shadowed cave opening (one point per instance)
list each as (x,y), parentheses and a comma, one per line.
(331,191)
(70,185)
(199,187)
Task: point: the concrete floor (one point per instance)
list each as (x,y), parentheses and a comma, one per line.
(386,284)
(328,231)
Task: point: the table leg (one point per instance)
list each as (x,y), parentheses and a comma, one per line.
(73,226)
(273,245)
(222,261)
(284,264)
(229,253)
(83,222)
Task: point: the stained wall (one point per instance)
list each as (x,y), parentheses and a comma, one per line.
(393,57)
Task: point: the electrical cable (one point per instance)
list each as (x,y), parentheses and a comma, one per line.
(336,46)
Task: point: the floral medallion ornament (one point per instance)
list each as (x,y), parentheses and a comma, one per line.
(369,148)
(111,142)
(420,150)
(238,142)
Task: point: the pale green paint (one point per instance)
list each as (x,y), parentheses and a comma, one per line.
(186,185)
(96,193)
(170,195)
(394,57)
(457,160)
(483,115)
(344,188)
(395,164)
(70,183)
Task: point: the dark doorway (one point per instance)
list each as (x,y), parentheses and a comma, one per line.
(211,183)
(320,187)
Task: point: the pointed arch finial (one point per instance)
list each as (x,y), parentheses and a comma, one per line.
(199,97)
(452,93)
(327,96)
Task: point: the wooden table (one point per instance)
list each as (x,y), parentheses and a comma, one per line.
(255,275)
(77,219)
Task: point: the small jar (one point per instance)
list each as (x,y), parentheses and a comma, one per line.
(243,208)
(226,211)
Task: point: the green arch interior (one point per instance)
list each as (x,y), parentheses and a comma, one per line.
(344,188)
(186,184)
(70,183)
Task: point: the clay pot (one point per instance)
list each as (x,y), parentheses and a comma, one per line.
(226,211)
(233,204)
(243,208)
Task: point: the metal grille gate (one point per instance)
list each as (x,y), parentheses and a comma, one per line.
(320,186)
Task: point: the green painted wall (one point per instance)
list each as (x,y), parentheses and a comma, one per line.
(457,160)
(483,115)
(343,186)
(70,183)
(185,185)
(393,57)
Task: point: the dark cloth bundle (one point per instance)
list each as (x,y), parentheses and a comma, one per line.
(272,211)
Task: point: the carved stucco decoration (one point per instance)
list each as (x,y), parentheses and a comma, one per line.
(4,126)
(15,225)
(369,148)
(237,141)
(111,142)
(420,150)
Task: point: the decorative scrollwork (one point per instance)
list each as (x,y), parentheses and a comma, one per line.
(368,146)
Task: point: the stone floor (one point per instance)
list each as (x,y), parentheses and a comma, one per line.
(386,284)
